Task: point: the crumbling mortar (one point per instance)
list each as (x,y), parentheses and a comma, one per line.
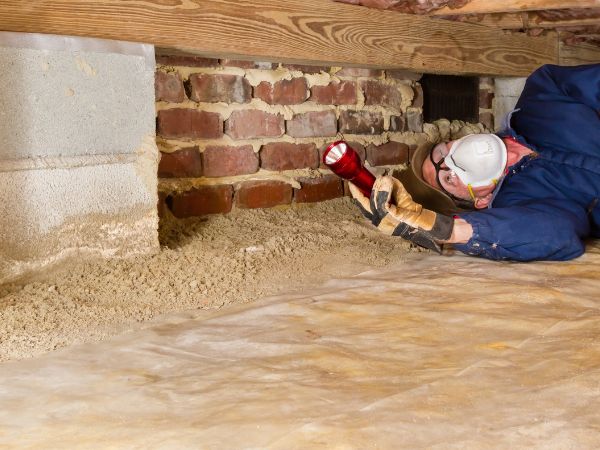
(185,72)
(172,145)
(225,109)
(179,185)
(335,70)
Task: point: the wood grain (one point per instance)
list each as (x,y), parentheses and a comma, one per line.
(499,6)
(300,31)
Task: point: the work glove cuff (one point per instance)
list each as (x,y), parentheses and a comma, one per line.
(442,227)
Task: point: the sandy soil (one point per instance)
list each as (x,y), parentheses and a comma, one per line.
(203,263)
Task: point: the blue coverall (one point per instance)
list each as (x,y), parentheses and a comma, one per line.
(547,204)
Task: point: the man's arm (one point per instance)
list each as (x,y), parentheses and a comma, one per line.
(546,229)
(462,232)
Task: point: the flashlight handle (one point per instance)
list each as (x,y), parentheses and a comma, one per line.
(364,181)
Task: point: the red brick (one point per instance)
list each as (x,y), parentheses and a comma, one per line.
(343,93)
(387,154)
(400,74)
(225,161)
(414,120)
(359,148)
(358,72)
(487,119)
(180,164)
(288,156)
(361,122)
(418,96)
(284,92)
(186,60)
(485,99)
(314,123)
(263,194)
(306,69)
(219,88)
(319,189)
(254,123)
(246,64)
(168,87)
(397,123)
(189,123)
(201,201)
(380,94)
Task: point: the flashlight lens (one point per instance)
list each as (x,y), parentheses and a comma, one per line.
(336,153)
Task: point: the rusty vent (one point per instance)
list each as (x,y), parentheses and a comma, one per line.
(450,97)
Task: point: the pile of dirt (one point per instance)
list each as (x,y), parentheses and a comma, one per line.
(203,263)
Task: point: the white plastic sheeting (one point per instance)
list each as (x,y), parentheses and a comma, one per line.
(438,352)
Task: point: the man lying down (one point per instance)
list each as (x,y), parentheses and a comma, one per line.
(527,193)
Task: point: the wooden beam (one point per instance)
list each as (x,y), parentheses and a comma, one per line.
(504,21)
(300,31)
(573,55)
(499,6)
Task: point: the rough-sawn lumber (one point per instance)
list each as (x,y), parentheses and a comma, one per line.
(302,31)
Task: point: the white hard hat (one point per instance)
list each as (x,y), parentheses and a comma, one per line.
(477,159)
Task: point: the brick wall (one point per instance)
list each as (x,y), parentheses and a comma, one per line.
(237,134)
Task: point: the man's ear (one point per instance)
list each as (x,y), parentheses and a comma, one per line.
(483,202)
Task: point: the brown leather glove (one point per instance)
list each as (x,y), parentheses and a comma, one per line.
(392,210)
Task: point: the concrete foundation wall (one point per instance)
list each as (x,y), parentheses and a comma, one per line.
(507,92)
(78,156)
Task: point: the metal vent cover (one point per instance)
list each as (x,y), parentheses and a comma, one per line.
(450,97)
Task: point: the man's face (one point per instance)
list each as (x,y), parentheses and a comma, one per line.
(447,178)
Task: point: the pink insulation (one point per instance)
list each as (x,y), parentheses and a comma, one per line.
(409,6)
(575,35)
(567,14)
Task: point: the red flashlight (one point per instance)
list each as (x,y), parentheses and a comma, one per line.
(345,163)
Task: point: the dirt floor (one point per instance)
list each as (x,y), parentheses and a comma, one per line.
(203,264)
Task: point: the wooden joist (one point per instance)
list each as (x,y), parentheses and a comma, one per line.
(500,6)
(301,31)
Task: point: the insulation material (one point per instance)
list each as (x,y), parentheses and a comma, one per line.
(569,14)
(435,352)
(409,6)
(575,35)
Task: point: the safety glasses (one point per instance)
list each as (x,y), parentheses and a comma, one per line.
(462,203)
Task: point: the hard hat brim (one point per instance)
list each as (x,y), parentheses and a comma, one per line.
(420,190)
